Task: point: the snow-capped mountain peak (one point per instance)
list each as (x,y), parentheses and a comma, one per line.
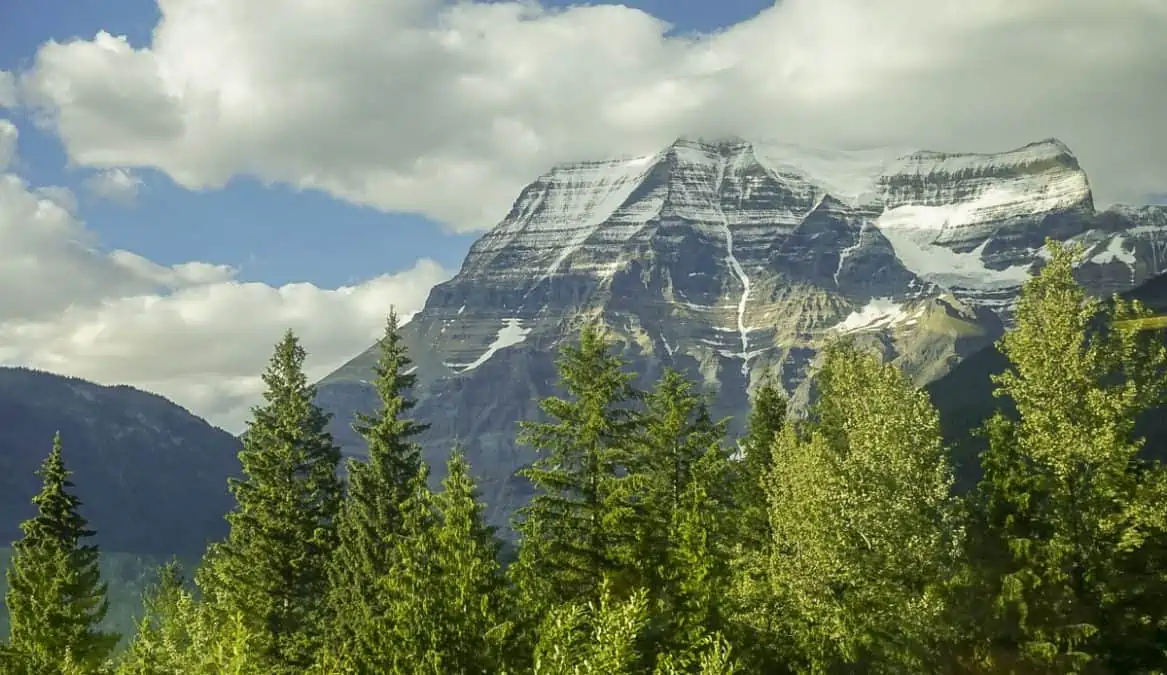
(727,258)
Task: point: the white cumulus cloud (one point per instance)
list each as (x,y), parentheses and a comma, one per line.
(192,332)
(8,136)
(447,109)
(117,185)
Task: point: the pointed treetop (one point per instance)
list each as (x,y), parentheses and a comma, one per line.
(55,597)
(57,516)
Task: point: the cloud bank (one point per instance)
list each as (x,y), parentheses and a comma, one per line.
(191,332)
(448,108)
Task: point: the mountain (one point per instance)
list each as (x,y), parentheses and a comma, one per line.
(152,477)
(725,258)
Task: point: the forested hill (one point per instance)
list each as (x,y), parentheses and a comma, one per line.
(151,476)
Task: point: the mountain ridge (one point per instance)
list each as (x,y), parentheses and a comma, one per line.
(729,258)
(152,477)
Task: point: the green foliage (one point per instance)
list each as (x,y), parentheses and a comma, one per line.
(833,545)
(681,476)
(598,637)
(445,603)
(270,572)
(1064,509)
(55,597)
(126,575)
(577,528)
(695,578)
(676,433)
(475,613)
(752,610)
(767,419)
(865,529)
(370,517)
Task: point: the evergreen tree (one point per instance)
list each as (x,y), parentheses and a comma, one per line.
(680,483)
(270,572)
(865,529)
(161,644)
(1060,511)
(410,630)
(676,432)
(577,529)
(475,612)
(371,512)
(767,418)
(695,579)
(56,598)
(446,600)
(754,616)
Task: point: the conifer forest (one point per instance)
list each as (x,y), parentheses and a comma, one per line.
(656,544)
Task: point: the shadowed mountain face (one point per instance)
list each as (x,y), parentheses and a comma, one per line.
(151,476)
(729,258)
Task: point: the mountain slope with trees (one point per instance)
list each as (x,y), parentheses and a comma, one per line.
(645,553)
(150,472)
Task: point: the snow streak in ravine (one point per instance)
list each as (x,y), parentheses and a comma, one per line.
(735,267)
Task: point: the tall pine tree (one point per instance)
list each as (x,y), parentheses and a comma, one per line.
(408,630)
(271,571)
(576,530)
(371,512)
(754,616)
(56,598)
(767,418)
(474,599)
(676,432)
(680,482)
(695,583)
(447,609)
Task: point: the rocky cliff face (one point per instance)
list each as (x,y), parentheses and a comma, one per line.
(728,258)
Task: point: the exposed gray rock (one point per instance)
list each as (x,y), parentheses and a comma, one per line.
(728,258)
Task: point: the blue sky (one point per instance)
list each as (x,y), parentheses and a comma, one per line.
(274,234)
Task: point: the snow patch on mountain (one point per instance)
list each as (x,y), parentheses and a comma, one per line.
(1114,251)
(511,334)
(849,176)
(912,231)
(1003,199)
(927,162)
(877,313)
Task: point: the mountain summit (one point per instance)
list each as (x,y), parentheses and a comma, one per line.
(728,258)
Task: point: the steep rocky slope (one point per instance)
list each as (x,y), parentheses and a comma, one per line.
(727,258)
(152,477)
